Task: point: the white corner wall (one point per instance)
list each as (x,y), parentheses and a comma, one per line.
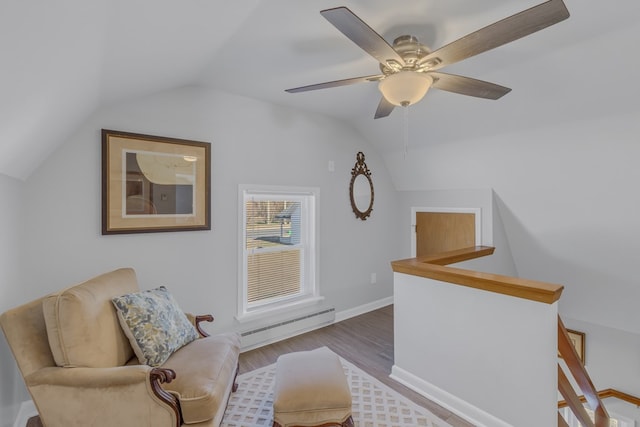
(488,357)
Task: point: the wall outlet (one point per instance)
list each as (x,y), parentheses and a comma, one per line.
(331,166)
(374,278)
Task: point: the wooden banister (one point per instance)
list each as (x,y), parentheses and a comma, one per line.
(561,421)
(579,373)
(570,396)
(610,392)
(606,394)
(434,267)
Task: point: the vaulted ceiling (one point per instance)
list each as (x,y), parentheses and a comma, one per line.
(62,60)
(559,149)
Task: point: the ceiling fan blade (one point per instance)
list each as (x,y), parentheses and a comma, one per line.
(499,33)
(384,108)
(363,35)
(336,83)
(468,86)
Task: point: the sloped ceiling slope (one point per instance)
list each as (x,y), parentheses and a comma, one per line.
(63,59)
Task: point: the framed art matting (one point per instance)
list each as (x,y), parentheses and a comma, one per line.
(577,339)
(154,183)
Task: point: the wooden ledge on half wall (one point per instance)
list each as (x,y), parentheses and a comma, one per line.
(435,267)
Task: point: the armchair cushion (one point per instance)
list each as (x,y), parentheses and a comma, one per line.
(205,371)
(155,324)
(82,327)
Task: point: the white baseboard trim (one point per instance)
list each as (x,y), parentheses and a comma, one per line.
(340,316)
(362,309)
(284,336)
(26,411)
(463,409)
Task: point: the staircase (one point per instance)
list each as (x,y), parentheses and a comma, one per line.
(598,415)
(579,373)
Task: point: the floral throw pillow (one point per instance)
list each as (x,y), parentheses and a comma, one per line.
(154,324)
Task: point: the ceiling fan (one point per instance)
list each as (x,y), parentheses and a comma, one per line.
(408,68)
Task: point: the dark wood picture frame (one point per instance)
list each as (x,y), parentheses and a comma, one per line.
(154,183)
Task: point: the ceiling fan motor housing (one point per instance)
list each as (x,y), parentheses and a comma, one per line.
(411,51)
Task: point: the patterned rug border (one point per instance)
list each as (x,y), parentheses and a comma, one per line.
(251,405)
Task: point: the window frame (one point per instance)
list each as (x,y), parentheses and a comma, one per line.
(311,250)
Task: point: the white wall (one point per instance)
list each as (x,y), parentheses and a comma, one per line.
(252,143)
(491,358)
(12,390)
(567,195)
(568,199)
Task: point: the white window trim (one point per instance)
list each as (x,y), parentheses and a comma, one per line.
(312,271)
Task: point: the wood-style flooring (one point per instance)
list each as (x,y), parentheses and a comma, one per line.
(365,340)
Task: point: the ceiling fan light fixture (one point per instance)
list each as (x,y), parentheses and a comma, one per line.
(405,88)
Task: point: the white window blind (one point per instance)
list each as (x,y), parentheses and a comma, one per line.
(278,254)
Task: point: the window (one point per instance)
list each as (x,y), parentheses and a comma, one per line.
(278,249)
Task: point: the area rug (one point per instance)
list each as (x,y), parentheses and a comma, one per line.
(374,403)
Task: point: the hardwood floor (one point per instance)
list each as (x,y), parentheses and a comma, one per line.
(365,340)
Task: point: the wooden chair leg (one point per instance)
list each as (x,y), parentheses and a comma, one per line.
(234,388)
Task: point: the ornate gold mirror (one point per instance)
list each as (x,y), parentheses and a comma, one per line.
(361,188)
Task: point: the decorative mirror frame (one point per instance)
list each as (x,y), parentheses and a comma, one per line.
(360,168)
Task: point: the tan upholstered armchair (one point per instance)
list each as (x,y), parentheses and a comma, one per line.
(80,368)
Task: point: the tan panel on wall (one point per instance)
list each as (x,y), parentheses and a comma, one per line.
(444,231)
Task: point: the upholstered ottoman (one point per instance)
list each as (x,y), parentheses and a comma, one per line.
(311,390)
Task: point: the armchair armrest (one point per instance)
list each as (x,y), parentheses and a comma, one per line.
(197,319)
(134,388)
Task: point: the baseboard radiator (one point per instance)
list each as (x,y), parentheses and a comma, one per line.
(286,329)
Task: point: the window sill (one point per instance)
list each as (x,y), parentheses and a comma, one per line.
(264,313)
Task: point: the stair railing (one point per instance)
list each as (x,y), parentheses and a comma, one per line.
(579,373)
(607,394)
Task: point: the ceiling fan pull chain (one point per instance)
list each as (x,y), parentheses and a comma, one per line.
(406,131)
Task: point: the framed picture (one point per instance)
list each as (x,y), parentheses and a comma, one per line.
(577,339)
(154,184)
